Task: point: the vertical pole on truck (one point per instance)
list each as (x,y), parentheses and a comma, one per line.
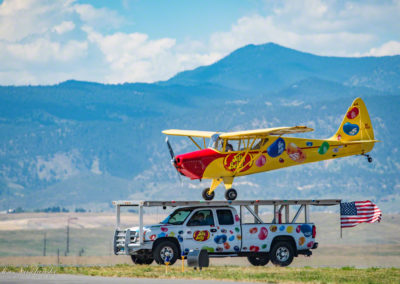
(287,213)
(141,240)
(306,213)
(274,220)
(118,215)
(255,211)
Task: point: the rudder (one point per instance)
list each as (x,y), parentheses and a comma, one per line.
(356,125)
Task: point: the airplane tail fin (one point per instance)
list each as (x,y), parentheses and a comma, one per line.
(356,125)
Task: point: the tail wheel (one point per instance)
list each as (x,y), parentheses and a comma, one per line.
(282,254)
(258,259)
(369,159)
(166,250)
(207,196)
(230,194)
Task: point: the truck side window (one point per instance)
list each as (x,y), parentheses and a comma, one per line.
(225,217)
(201,218)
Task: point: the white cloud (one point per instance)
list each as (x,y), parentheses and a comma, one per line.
(388,48)
(64,27)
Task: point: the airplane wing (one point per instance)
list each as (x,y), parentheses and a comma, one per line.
(258,133)
(191,133)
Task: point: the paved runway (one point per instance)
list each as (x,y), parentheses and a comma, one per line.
(19,278)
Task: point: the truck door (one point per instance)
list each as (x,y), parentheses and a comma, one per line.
(228,237)
(200,230)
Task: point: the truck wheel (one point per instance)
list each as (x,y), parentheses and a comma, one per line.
(258,259)
(164,249)
(141,260)
(282,254)
(207,196)
(230,194)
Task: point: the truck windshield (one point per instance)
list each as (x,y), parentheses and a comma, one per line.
(177,217)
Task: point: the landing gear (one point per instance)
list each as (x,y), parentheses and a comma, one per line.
(230,194)
(207,196)
(369,158)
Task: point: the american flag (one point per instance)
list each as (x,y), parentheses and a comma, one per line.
(353,213)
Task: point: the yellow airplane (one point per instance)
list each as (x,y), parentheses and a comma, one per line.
(233,154)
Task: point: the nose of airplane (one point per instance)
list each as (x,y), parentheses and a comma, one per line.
(194,164)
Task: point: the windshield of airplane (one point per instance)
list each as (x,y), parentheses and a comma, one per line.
(215,142)
(177,217)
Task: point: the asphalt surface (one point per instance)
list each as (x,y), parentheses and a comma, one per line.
(18,278)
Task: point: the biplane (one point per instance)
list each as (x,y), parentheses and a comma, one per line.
(234,154)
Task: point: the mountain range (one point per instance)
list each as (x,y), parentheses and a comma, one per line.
(84,144)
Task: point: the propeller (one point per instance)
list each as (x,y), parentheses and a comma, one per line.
(171,152)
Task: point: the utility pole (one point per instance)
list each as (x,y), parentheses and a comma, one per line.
(44,244)
(69,219)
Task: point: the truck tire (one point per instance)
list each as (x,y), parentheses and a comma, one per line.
(282,254)
(141,260)
(258,259)
(162,249)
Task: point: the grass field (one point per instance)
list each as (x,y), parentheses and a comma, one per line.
(256,274)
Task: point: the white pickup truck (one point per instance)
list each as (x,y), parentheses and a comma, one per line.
(217,227)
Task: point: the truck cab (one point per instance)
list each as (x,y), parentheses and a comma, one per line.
(218,228)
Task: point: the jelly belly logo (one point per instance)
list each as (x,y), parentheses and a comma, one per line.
(232,162)
(201,236)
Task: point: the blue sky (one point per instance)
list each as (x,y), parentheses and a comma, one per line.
(49,41)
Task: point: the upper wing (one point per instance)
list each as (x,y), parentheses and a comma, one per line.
(191,133)
(258,133)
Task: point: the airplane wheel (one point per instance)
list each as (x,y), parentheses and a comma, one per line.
(230,194)
(207,196)
(369,159)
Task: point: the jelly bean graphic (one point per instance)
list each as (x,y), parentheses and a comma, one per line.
(186,250)
(262,235)
(230,231)
(301,241)
(351,129)
(281,160)
(164,229)
(201,236)
(295,153)
(324,148)
(236,248)
(223,231)
(237,219)
(353,113)
(261,161)
(180,239)
(219,249)
(339,137)
(273,228)
(276,149)
(289,229)
(253,230)
(220,239)
(180,232)
(209,249)
(227,246)
(309,144)
(306,230)
(282,228)
(189,232)
(237,229)
(231,238)
(161,235)
(239,237)
(298,229)
(172,234)
(244,248)
(152,237)
(264,246)
(310,244)
(254,248)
